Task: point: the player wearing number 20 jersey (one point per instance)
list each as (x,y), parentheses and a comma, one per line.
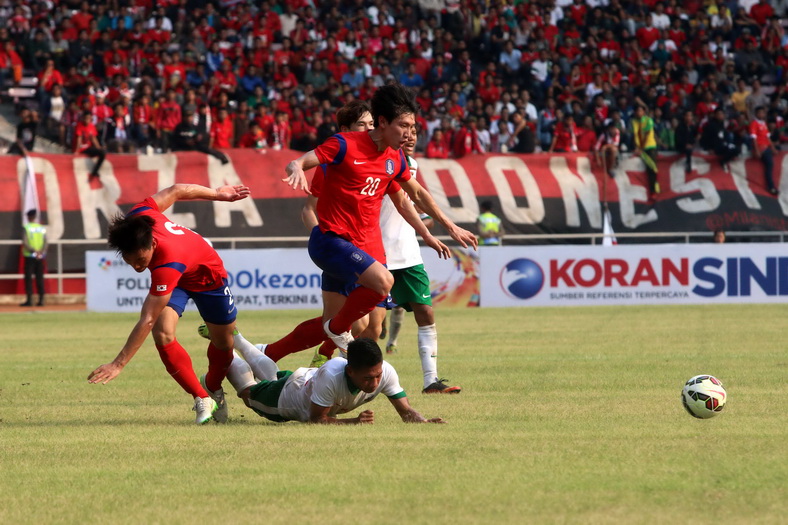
(356,177)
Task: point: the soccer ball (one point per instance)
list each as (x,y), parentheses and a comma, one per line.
(704,396)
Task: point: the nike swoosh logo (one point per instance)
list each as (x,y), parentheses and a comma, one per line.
(357,162)
(425,296)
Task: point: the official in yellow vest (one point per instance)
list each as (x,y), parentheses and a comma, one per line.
(646,145)
(34,246)
(489,226)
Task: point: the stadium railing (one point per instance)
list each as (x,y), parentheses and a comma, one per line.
(55,271)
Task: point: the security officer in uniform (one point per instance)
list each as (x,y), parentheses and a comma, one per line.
(34,245)
(489,225)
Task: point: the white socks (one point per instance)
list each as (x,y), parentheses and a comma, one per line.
(263,366)
(239,374)
(395,323)
(428,351)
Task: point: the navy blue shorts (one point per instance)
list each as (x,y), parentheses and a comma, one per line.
(341,261)
(215,306)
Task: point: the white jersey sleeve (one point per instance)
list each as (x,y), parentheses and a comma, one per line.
(389,383)
(399,237)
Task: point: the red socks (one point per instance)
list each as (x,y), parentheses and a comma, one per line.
(306,335)
(178,363)
(219,362)
(327,348)
(359,303)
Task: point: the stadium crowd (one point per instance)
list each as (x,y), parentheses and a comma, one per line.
(498,76)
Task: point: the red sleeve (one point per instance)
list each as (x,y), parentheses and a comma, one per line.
(332,151)
(147,203)
(394,187)
(164,278)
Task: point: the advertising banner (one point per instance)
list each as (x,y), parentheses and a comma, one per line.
(645,274)
(281,279)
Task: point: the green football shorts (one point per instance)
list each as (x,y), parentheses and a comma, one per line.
(411,285)
(265,395)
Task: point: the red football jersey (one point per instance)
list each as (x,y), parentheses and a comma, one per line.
(181,258)
(355,178)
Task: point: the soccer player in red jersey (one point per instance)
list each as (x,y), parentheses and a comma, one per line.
(183,265)
(358,169)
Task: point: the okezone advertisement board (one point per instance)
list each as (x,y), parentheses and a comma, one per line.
(262,279)
(275,278)
(634,274)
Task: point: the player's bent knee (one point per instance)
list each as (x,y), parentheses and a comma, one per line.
(163,337)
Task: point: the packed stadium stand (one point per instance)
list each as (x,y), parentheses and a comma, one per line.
(498,76)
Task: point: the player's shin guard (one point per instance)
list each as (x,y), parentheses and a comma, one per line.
(428,351)
(218,363)
(240,375)
(306,335)
(359,303)
(395,323)
(178,363)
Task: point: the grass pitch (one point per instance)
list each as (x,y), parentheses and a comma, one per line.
(567,415)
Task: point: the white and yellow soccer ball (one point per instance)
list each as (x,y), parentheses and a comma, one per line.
(704,396)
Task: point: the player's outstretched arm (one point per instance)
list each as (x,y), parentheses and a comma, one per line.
(189,192)
(409,414)
(295,170)
(424,201)
(151,309)
(319,414)
(411,215)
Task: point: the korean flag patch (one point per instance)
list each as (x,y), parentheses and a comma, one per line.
(161,287)
(390,166)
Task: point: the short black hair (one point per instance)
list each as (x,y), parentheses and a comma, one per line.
(363,353)
(486,205)
(351,112)
(391,101)
(31,214)
(128,234)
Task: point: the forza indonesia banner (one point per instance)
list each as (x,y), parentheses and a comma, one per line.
(644,274)
(538,193)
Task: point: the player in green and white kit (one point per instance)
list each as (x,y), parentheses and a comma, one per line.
(411,288)
(318,395)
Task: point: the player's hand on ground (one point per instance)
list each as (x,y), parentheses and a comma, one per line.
(105,373)
(296,178)
(367,416)
(464,237)
(438,246)
(232,193)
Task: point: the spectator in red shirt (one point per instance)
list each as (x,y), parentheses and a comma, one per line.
(86,143)
(168,116)
(586,136)
(280,132)
(763,147)
(436,148)
(49,76)
(761,12)
(81,20)
(564,136)
(226,78)
(647,35)
(466,141)
(221,131)
(254,138)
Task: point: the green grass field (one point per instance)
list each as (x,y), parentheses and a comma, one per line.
(567,415)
